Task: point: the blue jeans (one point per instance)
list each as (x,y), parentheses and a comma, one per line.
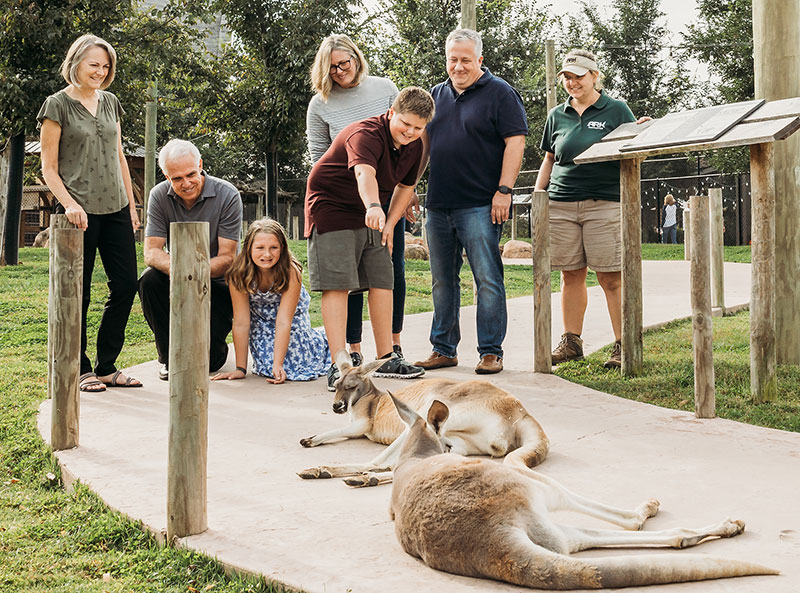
(670,234)
(449,231)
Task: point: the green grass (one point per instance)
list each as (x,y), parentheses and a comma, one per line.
(58,542)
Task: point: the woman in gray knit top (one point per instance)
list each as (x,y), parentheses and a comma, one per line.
(346,94)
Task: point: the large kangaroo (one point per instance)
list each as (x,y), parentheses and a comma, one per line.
(484,420)
(479,518)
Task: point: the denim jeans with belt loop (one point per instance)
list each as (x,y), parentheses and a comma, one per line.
(471,229)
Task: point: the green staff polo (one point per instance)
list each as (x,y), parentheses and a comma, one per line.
(567,134)
(88,154)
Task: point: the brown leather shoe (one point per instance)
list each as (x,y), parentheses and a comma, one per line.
(489,364)
(437,361)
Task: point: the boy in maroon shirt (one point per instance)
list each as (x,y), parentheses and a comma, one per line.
(369,163)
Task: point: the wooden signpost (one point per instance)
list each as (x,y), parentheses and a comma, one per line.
(768,123)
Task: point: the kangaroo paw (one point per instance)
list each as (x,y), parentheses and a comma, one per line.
(312,473)
(308,441)
(733,528)
(362,480)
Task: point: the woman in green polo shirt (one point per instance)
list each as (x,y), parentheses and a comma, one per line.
(85,169)
(584,201)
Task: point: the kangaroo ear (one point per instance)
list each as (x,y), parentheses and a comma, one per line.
(343,361)
(408,415)
(437,414)
(368,367)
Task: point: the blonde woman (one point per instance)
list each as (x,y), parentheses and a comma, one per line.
(345,93)
(670,227)
(85,168)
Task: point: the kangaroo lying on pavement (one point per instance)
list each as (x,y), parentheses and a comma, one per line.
(478,518)
(484,420)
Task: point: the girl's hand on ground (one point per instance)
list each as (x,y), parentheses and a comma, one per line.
(279,375)
(232,375)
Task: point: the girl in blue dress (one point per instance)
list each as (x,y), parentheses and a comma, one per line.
(270,311)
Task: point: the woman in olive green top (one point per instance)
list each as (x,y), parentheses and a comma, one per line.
(85,168)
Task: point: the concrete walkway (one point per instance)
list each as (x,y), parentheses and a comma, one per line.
(324,537)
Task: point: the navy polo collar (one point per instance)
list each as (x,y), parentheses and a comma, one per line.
(483,80)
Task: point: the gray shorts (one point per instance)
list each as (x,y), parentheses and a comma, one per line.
(585,234)
(353,260)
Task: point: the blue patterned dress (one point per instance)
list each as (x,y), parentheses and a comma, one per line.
(307,357)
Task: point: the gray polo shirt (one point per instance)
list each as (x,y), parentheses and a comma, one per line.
(219,204)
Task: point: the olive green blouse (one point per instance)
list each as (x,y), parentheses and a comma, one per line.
(88,157)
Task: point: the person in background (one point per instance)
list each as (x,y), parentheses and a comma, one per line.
(345,93)
(84,166)
(188,194)
(270,311)
(585,229)
(670,227)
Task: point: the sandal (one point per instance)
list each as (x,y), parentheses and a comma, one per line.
(128,382)
(89,383)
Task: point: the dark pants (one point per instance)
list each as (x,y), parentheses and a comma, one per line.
(154,295)
(670,234)
(111,235)
(355,302)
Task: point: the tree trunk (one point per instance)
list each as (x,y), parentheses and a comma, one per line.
(16,169)
(272,183)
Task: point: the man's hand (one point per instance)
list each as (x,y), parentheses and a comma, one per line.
(375,218)
(501,204)
(412,210)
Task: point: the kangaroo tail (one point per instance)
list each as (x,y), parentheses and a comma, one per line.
(533,444)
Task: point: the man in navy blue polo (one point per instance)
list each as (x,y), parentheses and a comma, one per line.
(476,140)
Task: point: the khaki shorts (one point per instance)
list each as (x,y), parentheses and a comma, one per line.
(353,260)
(585,234)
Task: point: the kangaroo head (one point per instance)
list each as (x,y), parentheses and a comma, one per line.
(424,437)
(354,382)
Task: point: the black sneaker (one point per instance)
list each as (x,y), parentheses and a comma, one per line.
(333,377)
(397,350)
(397,368)
(356,358)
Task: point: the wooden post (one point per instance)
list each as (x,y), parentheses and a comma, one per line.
(296,227)
(631,205)
(763,381)
(550,73)
(64,331)
(542,308)
(687,234)
(469,19)
(190,314)
(717,239)
(150,113)
(513,220)
(776,65)
(702,327)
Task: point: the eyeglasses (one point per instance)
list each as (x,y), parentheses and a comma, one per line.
(344,66)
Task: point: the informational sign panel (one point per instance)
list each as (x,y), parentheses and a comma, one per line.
(692,127)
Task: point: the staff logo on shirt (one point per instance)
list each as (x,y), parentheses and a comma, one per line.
(596,125)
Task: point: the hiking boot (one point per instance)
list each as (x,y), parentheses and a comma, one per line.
(569,348)
(356,358)
(489,364)
(333,377)
(615,361)
(398,368)
(397,350)
(437,361)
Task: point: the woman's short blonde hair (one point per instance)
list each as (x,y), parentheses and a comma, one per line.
(77,51)
(668,199)
(321,82)
(598,84)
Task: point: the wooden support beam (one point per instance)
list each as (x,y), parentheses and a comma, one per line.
(717,238)
(542,306)
(763,381)
(64,331)
(702,327)
(631,220)
(190,316)
(687,233)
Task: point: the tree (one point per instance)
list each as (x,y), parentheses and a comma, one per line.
(266,101)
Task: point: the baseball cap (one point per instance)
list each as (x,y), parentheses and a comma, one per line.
(577,64)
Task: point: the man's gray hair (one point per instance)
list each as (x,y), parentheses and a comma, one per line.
(175,149)
(460,35)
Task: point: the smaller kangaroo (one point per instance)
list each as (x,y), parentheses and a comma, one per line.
(479,518)
(484,420)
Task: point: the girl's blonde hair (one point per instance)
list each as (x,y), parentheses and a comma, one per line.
(321,82)
(76,53)
(668,199)
(243,275)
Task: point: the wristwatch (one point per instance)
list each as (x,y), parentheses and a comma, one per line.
(504,189)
